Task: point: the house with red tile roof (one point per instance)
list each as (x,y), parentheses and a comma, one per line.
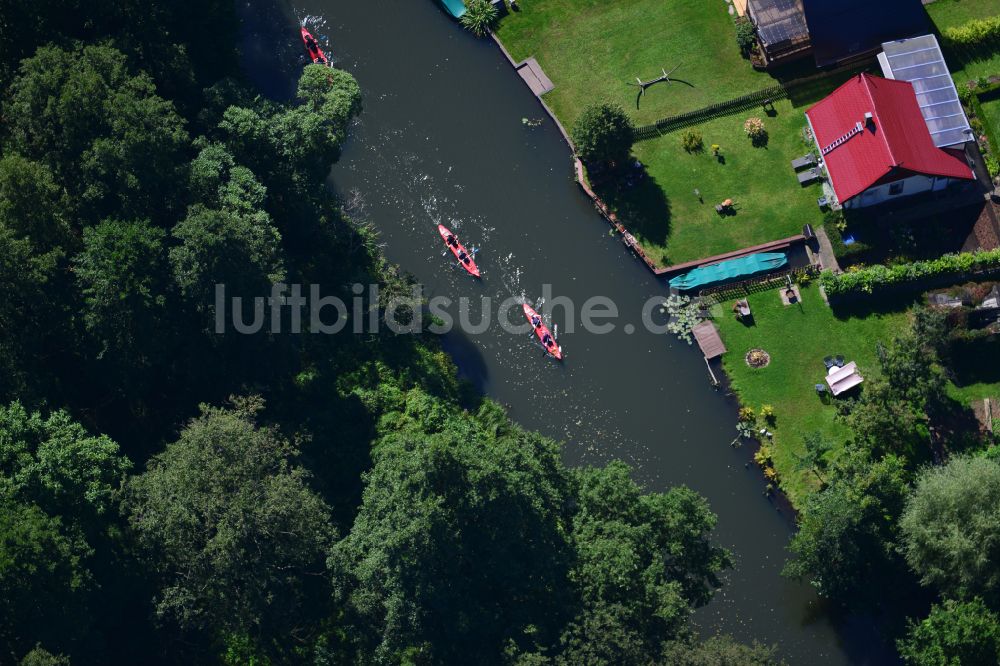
(876,147)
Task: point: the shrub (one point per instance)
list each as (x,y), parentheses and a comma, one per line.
(479,18)
(603,133)
(992,165)
(974,33)
(835,219)
(767,413)
(754,127)
(746,36)
(877,278)
(847,255)
(954,633)
(747,415)
(692,141)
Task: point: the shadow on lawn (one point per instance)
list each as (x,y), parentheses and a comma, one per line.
(642,206)
(976,361)
(862,306)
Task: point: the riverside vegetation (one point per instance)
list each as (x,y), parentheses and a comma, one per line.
(174,496)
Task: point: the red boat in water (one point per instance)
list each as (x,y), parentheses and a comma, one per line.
(457,249)
(313,49)
(542,331)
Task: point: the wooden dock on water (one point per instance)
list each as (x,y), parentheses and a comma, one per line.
(708,339)
(533,75)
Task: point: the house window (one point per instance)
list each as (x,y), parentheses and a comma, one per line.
(896,188)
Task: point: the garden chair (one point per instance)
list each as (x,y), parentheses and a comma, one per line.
(742,308)
(839,361)
(727,207)
(821,389)
(807,160)
(829,362)
(806,177)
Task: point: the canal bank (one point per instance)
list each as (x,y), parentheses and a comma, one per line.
(442,140)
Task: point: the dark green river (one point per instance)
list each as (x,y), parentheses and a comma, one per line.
(441,140)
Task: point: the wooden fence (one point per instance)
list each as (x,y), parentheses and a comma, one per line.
(760,98)
(754,285)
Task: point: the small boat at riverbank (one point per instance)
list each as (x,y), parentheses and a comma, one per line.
(542,332)
(464,257)
(313,49)
(454,7)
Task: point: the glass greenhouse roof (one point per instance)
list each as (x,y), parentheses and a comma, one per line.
(919,60)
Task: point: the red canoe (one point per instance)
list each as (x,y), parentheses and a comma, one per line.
(313,49)
(457,249)
(542,331)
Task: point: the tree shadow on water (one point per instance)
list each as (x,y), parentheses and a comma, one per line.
(639,203)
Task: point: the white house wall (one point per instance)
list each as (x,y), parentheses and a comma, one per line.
(912,185)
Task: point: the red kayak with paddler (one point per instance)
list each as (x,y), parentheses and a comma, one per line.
(464,256)
(542,332)
(313,49)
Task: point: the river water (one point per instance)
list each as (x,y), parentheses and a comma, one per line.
(441,140)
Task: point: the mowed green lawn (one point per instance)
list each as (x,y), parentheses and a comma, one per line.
(592,50)
(991,118)
(770,203)
(798,337)
(952,13)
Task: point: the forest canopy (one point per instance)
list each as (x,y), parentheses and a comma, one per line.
(170,495)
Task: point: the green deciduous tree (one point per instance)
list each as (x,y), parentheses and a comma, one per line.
(218,182)
(114,143)
(893,412)
(124,278)
(719,651)
(226,518)
(603,133)
(54,463)
(32,205)
(241,251)
(35,326)
(460,544)
(292,146)
(951,528)
(846,543)
(58,491)
(954,634)
(642,562)
(39,656)
(43,581)
(473,541)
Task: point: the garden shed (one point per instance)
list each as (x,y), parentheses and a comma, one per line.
(781,28)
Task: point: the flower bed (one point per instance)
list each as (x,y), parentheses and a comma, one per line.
(879,278)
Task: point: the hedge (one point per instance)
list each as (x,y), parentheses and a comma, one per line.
(974,33)
(880,277)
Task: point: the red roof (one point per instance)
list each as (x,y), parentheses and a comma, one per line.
(895,144)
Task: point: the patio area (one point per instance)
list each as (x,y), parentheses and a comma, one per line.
(799,336)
